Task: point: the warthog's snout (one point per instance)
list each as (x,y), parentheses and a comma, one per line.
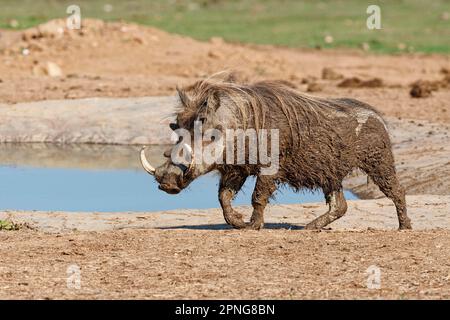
(171,177)
(169,188)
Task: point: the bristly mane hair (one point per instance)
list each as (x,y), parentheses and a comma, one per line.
(255,101)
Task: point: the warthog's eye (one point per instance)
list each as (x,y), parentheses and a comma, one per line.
(174,126)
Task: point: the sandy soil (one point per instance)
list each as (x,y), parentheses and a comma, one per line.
(163,264)
(192,254)
(138,261)
(427,212)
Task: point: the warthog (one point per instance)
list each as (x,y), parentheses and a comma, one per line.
(320,141)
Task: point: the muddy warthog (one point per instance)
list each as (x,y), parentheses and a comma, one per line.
(319,142)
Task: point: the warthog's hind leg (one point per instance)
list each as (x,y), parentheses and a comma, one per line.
(389,185)
(337,208)
(380,167)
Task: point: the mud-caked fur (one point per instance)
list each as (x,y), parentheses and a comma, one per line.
(321,141)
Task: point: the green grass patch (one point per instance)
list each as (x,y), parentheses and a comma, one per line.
(407,25)
(8,225)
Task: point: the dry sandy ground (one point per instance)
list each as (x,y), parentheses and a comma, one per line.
(192,254)
(427,212)
(125,60)
(205,264)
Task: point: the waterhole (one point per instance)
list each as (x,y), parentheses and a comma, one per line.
(105,178)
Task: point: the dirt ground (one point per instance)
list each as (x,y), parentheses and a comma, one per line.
(205,264)
(125,60)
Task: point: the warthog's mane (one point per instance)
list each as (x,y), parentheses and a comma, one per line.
(255,102)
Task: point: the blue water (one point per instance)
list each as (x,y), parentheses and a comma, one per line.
(112,190)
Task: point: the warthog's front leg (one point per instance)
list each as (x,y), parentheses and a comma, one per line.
(230,184)
(265,187)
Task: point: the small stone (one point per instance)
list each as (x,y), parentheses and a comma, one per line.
(328,39)
(365,46)
(108,8)
(49,69)
(53,70)
(214,54)
(138,39)
(422,89)
(314,87)
(330,74)
(13,23)
(308,79)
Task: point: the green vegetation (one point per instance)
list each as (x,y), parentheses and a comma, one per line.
(414,25)
(9,225)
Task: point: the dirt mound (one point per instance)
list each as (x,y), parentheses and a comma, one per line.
(355,82)
(424,88)
(330,74)
(314,87)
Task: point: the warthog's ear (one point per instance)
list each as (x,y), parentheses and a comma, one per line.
(213,101)
(183,97)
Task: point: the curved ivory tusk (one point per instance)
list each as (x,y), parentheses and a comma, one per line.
(189,149)
(145,164)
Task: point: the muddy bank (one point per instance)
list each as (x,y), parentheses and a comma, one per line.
(427,212)
(97,120)
(77,156)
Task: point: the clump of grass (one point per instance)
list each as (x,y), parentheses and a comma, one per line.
(9,225)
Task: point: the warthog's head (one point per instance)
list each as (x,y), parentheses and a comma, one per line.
(200,114)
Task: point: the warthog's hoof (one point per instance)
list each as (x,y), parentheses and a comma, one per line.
(405,224)
(312,226)
(405,227)
(254,225)
(235,219)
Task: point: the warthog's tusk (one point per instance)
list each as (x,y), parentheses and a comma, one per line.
(191,152)
(145,164)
